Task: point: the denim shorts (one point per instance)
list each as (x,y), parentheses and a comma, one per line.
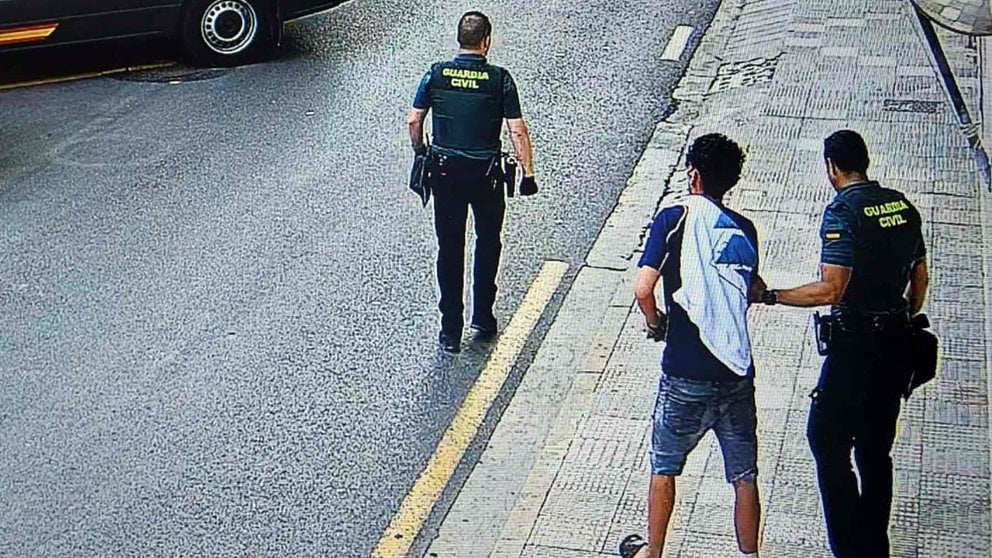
(687,409)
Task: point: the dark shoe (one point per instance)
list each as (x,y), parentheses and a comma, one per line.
(631,545)
(450,343)
(482,334)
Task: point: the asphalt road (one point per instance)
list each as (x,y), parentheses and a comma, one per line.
(217,300)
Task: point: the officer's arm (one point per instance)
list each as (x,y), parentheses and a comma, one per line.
(522,147)
(828,290)
(919,281)
(415,124)
(647,278)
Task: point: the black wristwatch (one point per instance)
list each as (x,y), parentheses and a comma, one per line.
(770,297)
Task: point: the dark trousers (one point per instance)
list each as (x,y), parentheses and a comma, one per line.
(460,184)
(856,407)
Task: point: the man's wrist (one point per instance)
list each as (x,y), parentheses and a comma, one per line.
(654,320)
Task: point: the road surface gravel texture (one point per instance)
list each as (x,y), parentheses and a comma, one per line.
(217,297)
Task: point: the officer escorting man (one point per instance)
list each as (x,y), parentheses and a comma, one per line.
(469,99)
(874,274)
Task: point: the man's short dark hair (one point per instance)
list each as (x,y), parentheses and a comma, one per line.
(718,160)
(847,150)
(473,28)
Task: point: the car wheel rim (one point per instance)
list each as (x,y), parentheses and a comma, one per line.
(229,26)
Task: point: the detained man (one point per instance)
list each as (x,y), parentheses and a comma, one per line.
(706,257)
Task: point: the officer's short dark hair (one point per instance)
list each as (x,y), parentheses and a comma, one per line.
(473,28)
(847,150)
(718,160)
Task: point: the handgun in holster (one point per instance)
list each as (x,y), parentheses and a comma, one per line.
(825,328)
(509,174)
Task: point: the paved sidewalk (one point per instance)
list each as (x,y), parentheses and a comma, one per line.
(777,76)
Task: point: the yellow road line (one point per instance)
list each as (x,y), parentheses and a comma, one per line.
(426,491)
(87,75)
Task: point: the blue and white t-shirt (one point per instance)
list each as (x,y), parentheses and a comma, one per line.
(708,259)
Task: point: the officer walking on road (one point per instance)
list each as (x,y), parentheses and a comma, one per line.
(874,274)
(469,99)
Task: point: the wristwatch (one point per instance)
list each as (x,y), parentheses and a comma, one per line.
(770,297)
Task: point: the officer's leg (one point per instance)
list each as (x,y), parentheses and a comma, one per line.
(450,212)
(831,438)
(872,451)
(488,207)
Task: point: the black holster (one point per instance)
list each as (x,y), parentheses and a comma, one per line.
(825,329)
(509,174)
(924,347)
(420,175)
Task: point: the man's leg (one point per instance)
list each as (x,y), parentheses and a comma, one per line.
(661,503)
(488,207)
(872,452)
(736,429)
(682,415)
(747,515)
(830,440)
(450,213)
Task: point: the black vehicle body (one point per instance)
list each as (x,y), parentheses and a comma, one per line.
(40,23)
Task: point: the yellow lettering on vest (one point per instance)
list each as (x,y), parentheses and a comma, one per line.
(886,209)
(892,221)
(471,75)
(464,83)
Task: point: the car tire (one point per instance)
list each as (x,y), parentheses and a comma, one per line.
(227,32)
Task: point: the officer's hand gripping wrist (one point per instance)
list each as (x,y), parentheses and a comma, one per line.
(769,297)
(528,186)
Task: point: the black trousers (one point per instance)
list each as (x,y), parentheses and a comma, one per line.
(856,407)
(460,184)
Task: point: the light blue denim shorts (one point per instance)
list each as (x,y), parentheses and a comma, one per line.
(687,409)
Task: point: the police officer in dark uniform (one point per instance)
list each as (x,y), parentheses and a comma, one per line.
(874,274)
(469,99)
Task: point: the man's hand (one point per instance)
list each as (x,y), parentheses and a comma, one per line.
(420,149)
(528,186)
(657,326)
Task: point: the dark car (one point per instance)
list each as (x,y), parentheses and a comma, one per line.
(214,32)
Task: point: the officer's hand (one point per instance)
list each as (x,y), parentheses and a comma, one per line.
(528,186)
(769,297)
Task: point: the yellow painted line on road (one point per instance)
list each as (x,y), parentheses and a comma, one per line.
(413,512)
(86,75)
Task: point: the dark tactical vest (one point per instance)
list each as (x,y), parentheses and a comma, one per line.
(467,102)
(887,234)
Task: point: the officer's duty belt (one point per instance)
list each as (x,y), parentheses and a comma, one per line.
(870,323)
